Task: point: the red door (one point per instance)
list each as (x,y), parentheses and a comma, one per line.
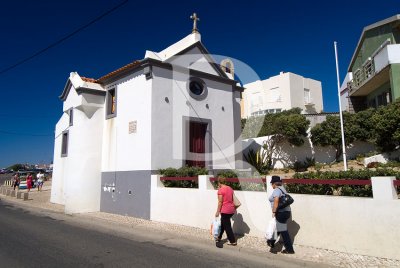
(197,146)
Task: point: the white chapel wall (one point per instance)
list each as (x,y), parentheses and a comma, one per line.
(83,163)
(122,150)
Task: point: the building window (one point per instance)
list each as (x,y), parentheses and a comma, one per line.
(197,88)
(111,103)
(274,95)
(307,96)
(64,144)
(71,116)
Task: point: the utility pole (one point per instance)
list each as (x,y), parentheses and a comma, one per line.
(340,110)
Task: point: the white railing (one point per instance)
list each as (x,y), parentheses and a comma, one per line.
(376,62)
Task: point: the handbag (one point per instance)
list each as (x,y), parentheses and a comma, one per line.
(284,200)
(236,201)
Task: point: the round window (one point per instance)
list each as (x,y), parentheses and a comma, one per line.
(197,88)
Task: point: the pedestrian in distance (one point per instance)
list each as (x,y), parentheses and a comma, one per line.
(39,182)
(226,209)
(29,180)
(281,215)
(16,181)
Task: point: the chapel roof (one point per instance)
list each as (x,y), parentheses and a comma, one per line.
(86,79)
(119,70)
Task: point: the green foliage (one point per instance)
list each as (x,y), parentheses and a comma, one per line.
(342,190)
(16,167)
(386,122)
(182,172)
(228,174)
(242,185)
(260,160)
(251,127)
(356,127)
(288,125)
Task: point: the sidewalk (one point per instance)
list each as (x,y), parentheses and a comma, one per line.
(40,200)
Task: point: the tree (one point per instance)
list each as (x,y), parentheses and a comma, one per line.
(386,122)
(290,126)
(16,167)
(356,127)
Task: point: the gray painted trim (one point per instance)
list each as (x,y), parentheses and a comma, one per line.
(92,91)
(79,91)
(62,143)
(237,126)
(152,62)
(71,116)
(210,60)
(108,99)
(208,139)
(126,193)
(66,90)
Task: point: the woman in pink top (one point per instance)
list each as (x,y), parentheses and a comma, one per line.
(29,181)
(226,208)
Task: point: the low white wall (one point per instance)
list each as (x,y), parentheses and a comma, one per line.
(365,226)
(286,154)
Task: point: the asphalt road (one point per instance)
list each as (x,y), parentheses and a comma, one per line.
(50,239)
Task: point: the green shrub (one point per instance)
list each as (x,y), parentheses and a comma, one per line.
(342,190)
(182,172)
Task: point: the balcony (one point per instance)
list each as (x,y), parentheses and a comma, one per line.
(308,102)
(375,70)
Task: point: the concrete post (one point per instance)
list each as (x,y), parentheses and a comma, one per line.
(204,183)
(19,195)
(26,196)
(383,188)
(156,182)
(12,193)
(8,192)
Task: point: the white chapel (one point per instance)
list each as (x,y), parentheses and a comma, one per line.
(172,108)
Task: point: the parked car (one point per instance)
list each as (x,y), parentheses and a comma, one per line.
(6,171)
(22,176)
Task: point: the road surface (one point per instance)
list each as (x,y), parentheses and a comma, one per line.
(51,239)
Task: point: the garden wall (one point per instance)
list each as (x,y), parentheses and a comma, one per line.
(286,154)
(367,226)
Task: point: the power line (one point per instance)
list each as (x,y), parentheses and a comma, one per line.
(26,116)
(64,38)
(25,134)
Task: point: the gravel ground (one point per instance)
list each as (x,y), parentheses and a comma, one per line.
(40,200)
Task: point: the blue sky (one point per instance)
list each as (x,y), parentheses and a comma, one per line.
(270,36)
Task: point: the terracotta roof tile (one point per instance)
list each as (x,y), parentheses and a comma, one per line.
(130,65)
(86,79)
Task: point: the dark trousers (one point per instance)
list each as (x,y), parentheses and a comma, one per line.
(227,227)
(283,217)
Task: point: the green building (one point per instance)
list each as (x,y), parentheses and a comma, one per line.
(374,72)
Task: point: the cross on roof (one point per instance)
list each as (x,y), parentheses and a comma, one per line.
(195,19)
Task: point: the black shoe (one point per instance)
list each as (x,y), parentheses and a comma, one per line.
(219,245)
(285,251)
(271,243)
